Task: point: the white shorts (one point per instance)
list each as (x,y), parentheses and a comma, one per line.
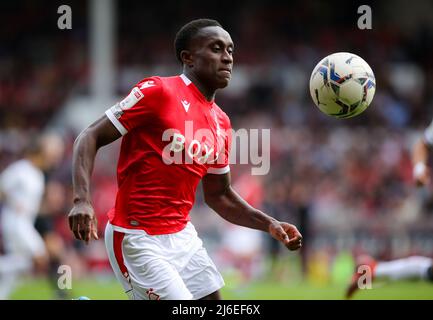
(167,267)
(20,236)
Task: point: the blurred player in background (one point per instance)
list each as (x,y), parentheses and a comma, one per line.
(410,268)
(51,207)
(153,247)
(414,267)
(22,186)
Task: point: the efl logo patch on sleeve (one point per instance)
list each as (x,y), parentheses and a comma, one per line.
(132,98)
(117,110)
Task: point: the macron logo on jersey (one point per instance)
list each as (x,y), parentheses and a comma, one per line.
(185,104)
(147,84)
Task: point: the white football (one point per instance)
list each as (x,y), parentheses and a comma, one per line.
(342,85)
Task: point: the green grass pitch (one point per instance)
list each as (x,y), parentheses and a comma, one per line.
(108,288)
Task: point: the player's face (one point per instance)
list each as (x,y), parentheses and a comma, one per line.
(212,55)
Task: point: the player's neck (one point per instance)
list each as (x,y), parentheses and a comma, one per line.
(209,94)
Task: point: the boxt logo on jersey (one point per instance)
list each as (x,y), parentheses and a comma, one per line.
(247,146)
(201,145)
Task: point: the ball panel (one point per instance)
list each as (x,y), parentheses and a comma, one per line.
(351,92)
(342,85)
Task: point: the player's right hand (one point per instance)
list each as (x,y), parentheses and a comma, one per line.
(286,233)
(421,174)
(83,222)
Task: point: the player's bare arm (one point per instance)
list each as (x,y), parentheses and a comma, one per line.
(420,158)
(82,219)
(220,196)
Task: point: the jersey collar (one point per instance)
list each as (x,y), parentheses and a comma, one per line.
(191,85)
(185,79)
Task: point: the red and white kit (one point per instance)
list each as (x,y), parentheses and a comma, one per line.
(172,137)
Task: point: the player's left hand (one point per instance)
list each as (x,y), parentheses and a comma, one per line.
(286,233)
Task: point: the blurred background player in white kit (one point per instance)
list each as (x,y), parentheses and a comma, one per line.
(413,267)
(410,268)
(22,186)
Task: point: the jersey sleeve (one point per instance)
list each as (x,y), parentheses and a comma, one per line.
(222,165)
(138,107)
(428,134)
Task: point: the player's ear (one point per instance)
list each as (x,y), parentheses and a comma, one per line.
(186,57)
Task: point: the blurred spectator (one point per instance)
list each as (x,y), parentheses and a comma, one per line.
(349,180)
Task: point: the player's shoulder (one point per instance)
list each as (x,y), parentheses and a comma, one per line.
(23,169)
(158,84)
(25,166)
(21,165)
(158,81)
(151,83)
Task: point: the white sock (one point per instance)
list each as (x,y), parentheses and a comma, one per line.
(413,267)
(7,285)
(11,267)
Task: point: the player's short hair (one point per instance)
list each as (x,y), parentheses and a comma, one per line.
(188,31)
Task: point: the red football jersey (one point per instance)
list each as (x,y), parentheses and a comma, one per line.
(172,137)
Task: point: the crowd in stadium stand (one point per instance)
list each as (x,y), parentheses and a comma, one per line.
(340,179)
